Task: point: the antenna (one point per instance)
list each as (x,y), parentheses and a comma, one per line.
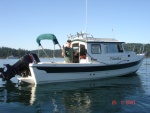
(86,18)
(113,33)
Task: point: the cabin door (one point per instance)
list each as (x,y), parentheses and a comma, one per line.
(79,52)
(82,51)
(75,47)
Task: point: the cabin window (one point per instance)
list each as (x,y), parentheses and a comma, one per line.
(113,48)
(75,47)
(95,48)
(120,49)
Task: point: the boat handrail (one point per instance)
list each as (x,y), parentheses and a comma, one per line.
(89,37)
(133,48)
(143,48)
(141,51)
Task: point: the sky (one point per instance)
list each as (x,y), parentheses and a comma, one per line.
(22,21)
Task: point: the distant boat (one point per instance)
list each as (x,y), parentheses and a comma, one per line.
(12,57)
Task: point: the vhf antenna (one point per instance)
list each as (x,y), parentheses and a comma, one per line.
(113,33)
(86,18)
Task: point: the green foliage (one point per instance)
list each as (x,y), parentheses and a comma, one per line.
(138,48)
(57,52)
(5,51)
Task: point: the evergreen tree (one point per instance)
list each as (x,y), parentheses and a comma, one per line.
(5,51)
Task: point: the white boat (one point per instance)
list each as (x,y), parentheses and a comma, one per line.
(98,58)
(12,57)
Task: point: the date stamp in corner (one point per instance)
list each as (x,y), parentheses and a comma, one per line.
(122,102)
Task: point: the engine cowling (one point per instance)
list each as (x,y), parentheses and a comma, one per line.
(21,67)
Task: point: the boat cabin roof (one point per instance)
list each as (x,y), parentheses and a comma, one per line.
(83,37)
(96,40)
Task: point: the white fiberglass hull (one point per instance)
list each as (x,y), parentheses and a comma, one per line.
(49,73)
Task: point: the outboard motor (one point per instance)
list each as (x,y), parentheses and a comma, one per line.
(21,67)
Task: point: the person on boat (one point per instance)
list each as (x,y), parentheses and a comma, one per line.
(67,52)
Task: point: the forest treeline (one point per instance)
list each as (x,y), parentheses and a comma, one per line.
(138,48)
(5,51)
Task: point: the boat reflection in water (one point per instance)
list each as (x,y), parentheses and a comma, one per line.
(81,97)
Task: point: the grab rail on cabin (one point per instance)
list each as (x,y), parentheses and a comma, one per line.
(141,51)
(81,35)
(89,37)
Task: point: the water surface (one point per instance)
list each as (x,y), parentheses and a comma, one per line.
(129,94)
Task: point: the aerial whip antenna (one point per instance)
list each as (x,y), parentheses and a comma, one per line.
(113,33)
(86,18)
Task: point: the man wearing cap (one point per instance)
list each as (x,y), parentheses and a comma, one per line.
(67,52)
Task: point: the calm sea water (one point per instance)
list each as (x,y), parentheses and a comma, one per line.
(129,94)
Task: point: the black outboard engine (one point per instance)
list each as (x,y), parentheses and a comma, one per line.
(21,67)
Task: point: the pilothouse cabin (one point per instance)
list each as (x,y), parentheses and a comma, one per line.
(98,50)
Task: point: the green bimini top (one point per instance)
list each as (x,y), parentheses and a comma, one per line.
(47,37)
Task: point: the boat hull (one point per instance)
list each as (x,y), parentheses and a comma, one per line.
(50,73)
